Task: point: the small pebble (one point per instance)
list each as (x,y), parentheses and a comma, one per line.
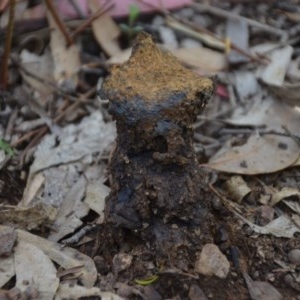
(294,256)
(212,262)
(121,261)
(196,293)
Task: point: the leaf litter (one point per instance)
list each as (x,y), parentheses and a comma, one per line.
(249,136)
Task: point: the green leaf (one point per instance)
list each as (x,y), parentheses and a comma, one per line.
(6,147)
(134,11)
(146,281)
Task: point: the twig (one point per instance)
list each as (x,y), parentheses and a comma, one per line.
(60,24)
(7,47)
(226,14)
(203,30)
(232,45)
(78,235)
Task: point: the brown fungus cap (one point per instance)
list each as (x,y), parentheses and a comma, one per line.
(154,81)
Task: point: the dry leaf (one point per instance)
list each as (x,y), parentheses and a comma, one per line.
(41,65)
(95,197)
(237,188)
(71,291)
(274,72)
(259,155)
(71,211)
(266,153)
(283,226)
(201,58)
(284,193)
(27,217)
(65,257)
(105,30)
(260,290)
(34,268)
(66,59)
(7,269)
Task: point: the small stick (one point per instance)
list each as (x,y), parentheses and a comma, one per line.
(7,48)
(203,30)
(226,14)
(59,23)
(92,18)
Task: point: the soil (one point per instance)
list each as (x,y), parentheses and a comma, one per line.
(155,225)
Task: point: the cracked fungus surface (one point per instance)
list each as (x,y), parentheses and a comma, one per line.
(154,76)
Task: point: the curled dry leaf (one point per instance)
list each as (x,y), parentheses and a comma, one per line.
(237,188)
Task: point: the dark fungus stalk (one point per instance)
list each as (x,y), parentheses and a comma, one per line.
(155,175)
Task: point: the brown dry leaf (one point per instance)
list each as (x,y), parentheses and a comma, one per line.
(105,30)
(259,155)
(33,189)
(202,58)
(284,193)
(27,217)
(66,59)
(121,57)
(266,153)
(34,268)
(66,257)
(237,188)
